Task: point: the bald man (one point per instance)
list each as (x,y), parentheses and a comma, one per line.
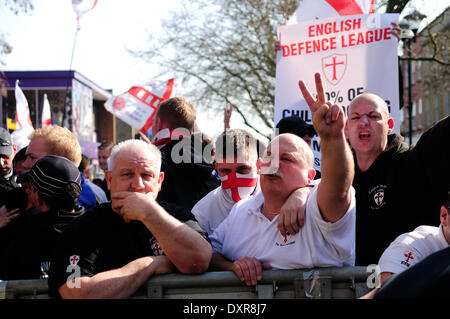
(248,240)
(397,187)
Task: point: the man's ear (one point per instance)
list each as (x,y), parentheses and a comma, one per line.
(108,179)
(390,123)
(160,180)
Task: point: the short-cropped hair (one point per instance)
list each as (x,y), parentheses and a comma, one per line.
(59,141)
(177,112)
(132,144)
(236,143)
(105,145)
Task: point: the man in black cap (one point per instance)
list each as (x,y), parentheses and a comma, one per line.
(7,152)
(296,125)
(27,247)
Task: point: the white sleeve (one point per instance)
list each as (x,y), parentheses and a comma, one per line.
(219,235)
(202,220)
(399,256)
(341,234)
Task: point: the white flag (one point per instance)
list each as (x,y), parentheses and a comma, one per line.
(321,9)
(46,114)
(22,111)
(24,126)
(82,6)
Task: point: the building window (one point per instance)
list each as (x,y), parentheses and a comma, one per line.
(419,70)
(427,111)
(419,114)
(436,107)
(447,103)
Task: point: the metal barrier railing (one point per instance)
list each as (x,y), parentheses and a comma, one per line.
(333,282)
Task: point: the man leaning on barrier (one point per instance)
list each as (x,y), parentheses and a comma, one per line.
(248,240)
(115,247)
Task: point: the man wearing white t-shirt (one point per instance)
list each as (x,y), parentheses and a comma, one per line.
(409,249)
(248,240)
(237,164)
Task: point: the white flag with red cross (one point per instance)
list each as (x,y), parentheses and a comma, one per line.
(137,106)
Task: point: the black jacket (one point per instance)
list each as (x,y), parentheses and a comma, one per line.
(188,176)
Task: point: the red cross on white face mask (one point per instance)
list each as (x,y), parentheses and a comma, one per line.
(239,186)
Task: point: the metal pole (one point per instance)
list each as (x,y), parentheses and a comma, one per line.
(408,43)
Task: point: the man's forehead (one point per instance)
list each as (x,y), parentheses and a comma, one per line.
(37,146)
(285,143)
(368,102)
(134,158)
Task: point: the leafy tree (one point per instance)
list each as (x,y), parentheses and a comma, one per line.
(15,6)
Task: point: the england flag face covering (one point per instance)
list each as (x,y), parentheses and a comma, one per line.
(239,186)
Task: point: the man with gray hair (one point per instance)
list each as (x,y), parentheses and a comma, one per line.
(114,248)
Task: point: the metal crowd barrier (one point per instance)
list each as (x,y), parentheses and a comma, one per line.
(318,283)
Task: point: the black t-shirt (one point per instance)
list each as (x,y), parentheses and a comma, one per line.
(28,243)
(100,241)
(402,190)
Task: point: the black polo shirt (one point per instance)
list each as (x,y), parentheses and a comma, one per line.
(101,240)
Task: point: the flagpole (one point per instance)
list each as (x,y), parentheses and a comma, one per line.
(68,75)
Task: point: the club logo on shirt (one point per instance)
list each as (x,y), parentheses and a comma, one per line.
(378,198)
(378,193)
(409,258)
(156,247)
(74,259)
(285,240)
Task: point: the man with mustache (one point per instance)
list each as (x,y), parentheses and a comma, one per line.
(248,240)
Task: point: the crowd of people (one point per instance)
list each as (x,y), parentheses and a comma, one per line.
(185,203)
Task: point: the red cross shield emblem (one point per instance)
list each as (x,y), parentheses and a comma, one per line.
(334,67)
(157,250)
(74,259)
(378,197)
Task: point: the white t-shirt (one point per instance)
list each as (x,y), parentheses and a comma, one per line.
(410,248)
(247,232)
(212,209)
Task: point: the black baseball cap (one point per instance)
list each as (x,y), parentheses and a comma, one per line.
(295,125)
(54,177)
(5,142)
